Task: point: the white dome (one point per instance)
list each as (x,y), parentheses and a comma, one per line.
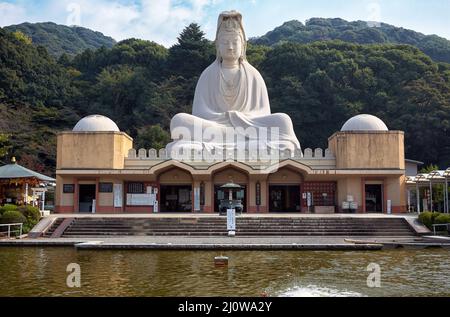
(364,122)
(96,123)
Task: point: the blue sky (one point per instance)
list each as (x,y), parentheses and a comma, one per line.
(162,20)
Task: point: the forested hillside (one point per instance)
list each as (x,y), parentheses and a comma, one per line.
(141,85)
(61,39)
(360,32)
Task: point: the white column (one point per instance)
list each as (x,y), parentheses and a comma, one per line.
(409,199)
(43,201)
(446,206)
(26,193)
(431,196)
(418,197)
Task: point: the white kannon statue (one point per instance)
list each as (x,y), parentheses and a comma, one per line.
(231,95)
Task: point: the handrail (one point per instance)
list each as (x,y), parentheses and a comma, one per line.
(9,225)
(440,225)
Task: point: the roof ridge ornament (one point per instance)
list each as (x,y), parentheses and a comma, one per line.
(13,160)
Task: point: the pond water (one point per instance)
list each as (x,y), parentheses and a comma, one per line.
(42,272)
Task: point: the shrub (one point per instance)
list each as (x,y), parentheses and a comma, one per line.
(442,219)
(6,208)
(427,218)
(13,216)
(30,212)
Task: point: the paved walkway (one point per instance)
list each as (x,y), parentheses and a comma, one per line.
(247,215)
(209,243)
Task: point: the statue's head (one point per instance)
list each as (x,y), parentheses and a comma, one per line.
(231,43)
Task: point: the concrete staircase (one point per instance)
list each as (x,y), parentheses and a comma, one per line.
(53,227)
(252,227)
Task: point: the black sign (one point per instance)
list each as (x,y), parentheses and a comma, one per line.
(68,188)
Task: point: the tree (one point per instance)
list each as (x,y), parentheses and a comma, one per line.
(192,54)
(152,137)
(22,37)
(5,145)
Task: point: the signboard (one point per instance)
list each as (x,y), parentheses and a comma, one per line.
(118,195)
(140,199)
(152,199)
(197,199)
(231,220)
(389,206)
(309,198)
(258,194)
(156,207)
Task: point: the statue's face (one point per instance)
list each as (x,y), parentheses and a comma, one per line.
(230,47)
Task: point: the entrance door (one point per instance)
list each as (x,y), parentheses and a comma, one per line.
(374,198)
(284,199)
(220,194)
(176,198)
(87,197)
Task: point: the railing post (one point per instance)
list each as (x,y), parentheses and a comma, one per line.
(9,231)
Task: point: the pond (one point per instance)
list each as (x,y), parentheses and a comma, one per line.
(42,272)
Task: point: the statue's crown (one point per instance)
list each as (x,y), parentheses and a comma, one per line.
(231,24)
(230,21)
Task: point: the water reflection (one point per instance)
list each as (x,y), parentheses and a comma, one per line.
(42,272)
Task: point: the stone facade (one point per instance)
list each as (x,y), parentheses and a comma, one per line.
(101,172)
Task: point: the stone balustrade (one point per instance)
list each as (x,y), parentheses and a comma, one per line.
(162,155)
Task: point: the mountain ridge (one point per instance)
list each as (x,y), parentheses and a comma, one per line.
(61,39)
(358,32)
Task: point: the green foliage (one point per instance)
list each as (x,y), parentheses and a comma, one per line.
(61,39)
(442,219)
(152,137)
(321,85)
(29,216)
(5,145)
(433,218)
(360,32)
(428,218)
(31,213)
(7,207)
(22,37)
(192,54)
(12,216)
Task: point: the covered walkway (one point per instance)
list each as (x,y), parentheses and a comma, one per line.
(439,177)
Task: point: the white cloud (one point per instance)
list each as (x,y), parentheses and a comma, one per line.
(157,20)
(11,14)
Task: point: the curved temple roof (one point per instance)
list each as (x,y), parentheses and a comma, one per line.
(12,171)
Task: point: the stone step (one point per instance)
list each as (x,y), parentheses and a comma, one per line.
(98,227)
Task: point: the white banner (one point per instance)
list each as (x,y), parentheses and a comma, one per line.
(118,195)
(231,220)
(197,199)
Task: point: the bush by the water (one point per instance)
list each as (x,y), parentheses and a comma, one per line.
(433,218)
(28,215)
(6,208)
(12,216)
(30,212)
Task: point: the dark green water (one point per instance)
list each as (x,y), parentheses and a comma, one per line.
(42,272)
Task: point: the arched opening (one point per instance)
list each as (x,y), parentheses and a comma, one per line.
(285,191)
(175,191)
(230,175)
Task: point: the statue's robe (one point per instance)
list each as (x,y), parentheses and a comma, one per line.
(247,107)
